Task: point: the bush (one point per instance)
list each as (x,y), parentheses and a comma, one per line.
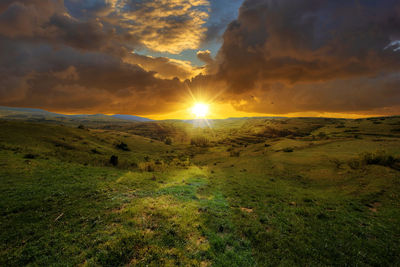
(94,151)
(168,141)
(180,162)
(122,146)
(151,166)
(234,153)
(134,165)
(147,166)
(114,160)
(377,158)
(200,141)
(322,135)
(354,164)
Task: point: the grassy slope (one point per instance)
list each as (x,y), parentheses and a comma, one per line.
(67,206)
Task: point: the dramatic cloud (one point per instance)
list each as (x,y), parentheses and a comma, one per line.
(165,68)
(76,56)
(164,25)
(72,81)
(316,55)
(205,56)
(354,95)
(160,25)
(278,56)
(49,21)
(27,18)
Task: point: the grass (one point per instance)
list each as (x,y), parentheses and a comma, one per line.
(63,204)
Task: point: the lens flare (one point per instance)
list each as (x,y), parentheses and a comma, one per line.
(200,110)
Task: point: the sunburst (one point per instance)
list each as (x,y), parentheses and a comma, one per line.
(200,110)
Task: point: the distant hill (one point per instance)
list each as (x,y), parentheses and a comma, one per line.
(246,118)
(33,114)
(130,118)
(4,109)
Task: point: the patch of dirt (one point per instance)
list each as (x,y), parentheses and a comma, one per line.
(247,210)
(374,206)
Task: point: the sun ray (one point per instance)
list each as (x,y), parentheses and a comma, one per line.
(200,110)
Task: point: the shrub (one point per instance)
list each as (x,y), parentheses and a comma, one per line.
(114,160)
(168,141)
(151,166)
(322,135)
(30,156)
(234,153)
(147,166)
(94,151)
(122,146)
(337,163)
(134,165)
(376,158)
(81,126)
(354,164)
(180,162)
(288,149)
(199,141)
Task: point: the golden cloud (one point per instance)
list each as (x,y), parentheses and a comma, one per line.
(165,68)
(165,25)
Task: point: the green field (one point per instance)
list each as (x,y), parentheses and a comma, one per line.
(245,192)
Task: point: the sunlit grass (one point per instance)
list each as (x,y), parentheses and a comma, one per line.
(266,206)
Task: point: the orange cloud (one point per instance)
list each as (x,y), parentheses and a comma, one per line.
(165,68)
(278,57)
(164,25)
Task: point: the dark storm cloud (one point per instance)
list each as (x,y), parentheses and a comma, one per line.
(72,81)
(166,68)
(48,21)
(26,18)
(277,57)
(317,54)
(76,56)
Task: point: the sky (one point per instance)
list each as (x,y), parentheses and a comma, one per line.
(336,58)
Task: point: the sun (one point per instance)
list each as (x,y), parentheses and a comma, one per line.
(200,110)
